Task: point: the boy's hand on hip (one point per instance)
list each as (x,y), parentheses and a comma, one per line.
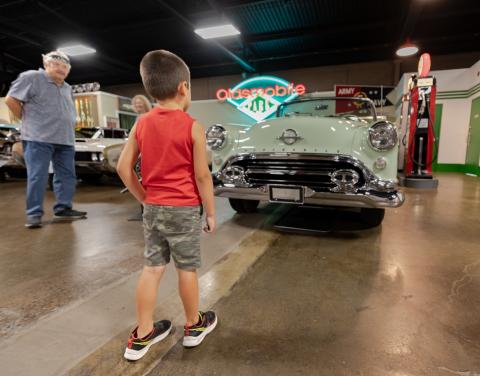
(210,224)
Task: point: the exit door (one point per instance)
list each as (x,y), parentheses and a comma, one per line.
(473,147)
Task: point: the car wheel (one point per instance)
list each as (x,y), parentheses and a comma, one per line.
(373,216)
(243,206)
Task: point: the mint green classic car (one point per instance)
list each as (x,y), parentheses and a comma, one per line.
(318,151)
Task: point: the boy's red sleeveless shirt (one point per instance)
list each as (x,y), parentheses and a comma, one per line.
(164,138)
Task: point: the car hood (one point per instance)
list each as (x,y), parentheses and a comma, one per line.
(97,145)
(318,135)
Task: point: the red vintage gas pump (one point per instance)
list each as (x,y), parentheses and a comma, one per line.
(420,152)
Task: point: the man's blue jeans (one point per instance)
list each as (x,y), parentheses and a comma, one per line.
(37,158)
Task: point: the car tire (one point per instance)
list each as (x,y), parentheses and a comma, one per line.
(243,206)
(373,216)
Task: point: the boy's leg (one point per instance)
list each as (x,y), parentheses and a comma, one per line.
(188,287)
(184,227)
(146,298)
(199,324)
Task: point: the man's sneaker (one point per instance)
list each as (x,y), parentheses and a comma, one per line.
(138,347)
(34,222)
(70,214)
(194,335)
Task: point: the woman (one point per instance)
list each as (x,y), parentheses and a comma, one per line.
(141,104)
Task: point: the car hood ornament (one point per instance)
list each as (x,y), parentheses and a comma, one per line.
(289,137)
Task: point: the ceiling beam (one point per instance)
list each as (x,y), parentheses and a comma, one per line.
(116,63)
(10,3)
(20,37)
(17,59)
(355,49)
(229,53)
(86,33)
(322,30)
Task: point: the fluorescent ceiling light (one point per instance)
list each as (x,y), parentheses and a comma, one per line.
(76,50)
(217,31)
(407,50)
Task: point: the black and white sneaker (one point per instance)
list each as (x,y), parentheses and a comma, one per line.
(33,222)
(138,347)
(70,214)
(194,335)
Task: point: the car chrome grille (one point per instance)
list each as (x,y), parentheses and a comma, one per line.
(312,173)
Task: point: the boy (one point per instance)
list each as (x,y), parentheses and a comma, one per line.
(175,182)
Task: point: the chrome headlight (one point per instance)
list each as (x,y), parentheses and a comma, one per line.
(216,137)
(94,157)
(383,136)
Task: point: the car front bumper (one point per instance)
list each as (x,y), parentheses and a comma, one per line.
(368,199)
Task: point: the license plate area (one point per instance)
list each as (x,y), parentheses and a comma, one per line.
(287,194)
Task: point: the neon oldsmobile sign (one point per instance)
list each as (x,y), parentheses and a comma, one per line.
(259,97)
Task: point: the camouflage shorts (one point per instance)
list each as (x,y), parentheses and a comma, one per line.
(175,231)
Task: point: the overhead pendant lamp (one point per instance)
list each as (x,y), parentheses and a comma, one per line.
(407,49)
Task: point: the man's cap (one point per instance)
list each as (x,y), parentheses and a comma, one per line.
(57,55)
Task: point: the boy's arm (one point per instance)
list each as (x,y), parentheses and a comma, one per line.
(203,176)
(126,165)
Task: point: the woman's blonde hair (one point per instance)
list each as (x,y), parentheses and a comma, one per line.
(144,99)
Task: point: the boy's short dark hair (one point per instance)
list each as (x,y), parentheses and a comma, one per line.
(161,73)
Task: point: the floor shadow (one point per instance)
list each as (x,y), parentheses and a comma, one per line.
(343,222)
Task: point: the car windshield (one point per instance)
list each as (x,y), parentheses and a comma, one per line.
(350,108)
(85,132)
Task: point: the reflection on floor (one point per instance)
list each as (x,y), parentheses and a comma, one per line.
(44,270)
(403,299)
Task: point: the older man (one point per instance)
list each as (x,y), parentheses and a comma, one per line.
(44,102)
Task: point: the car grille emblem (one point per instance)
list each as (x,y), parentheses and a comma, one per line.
(344,180)
(289,137)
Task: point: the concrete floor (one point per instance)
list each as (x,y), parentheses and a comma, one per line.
(69,286)
(399,300)
(43,270)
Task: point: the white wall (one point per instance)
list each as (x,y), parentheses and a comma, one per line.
(321,78)
(107,106)
(454,131)
(456,112)
(212,111)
